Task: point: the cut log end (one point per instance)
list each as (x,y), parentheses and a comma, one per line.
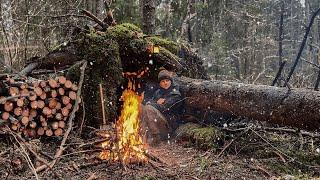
(53,83)
(40,108)
(62,79)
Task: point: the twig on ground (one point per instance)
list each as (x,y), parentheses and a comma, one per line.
(153,158)
(157,168)
(89,142)
(245,130)
(83,118)
(93,142)
(280,156)
(91,164)
(79,152)
(19,139)
(25,155)
(30,149)
(287,156)
(257,167)
(305,133)
(4,152)
(225,147)
(92,176)
(192,177)
(46,155)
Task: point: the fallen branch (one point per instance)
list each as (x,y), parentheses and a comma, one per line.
(280,156)
(225,147)
(94,18)
(80,152)
(25,155)
(153,158)
(28,69)
(257,167)
(157,168)
(305,133)
(83,118)
(81,166)
(282,153)
(17,136)
(3,100)
(246,130)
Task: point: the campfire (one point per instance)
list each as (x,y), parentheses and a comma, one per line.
(127,145)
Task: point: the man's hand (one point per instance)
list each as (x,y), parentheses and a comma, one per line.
(161,101)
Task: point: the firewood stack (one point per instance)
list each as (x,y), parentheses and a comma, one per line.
(39,108)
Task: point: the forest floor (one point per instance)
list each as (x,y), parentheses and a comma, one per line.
(269,155)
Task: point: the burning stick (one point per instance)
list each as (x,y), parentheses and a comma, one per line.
(104,123)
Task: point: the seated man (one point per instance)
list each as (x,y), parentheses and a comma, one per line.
(159,116)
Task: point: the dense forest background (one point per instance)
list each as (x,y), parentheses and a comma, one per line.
(243,41)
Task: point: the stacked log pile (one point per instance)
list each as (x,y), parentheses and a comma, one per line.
(37,108)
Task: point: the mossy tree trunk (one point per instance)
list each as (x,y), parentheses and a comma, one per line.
(104,68)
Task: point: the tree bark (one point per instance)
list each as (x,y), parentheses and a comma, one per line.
(7,33)
(303,43)
(281,32)
(295,107)
(148,10)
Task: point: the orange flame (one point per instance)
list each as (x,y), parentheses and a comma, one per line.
(129,146)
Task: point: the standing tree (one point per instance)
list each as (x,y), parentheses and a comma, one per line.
(148,16)
(6,28)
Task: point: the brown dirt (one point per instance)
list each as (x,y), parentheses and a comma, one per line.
(243,159)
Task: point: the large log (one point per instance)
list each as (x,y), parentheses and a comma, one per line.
(294,107)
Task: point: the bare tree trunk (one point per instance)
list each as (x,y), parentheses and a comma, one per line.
(281,32)
(186,31)
(100,9)
(7,34)
(280,52)
(148,16)
(302,44)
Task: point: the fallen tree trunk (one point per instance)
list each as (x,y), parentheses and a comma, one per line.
(296,107)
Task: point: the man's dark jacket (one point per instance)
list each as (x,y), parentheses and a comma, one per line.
(172,105)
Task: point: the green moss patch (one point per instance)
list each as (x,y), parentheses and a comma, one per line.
(201,137)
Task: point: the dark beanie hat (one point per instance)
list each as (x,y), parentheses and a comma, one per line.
(164,74)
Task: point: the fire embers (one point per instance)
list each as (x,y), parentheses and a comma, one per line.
(127,146)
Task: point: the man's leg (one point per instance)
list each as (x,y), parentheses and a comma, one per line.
(154,125)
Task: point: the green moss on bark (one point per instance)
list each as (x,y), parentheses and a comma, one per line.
(104,67)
